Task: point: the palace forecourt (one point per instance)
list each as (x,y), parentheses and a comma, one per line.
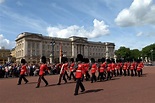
(118,90)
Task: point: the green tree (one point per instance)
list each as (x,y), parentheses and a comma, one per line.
(149,51)
(123,52)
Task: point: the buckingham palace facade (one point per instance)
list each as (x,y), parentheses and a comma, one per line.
(32,46)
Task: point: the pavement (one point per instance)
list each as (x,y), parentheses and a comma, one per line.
(118,90)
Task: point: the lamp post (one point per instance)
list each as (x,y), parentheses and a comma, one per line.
(53,44)
(152,54)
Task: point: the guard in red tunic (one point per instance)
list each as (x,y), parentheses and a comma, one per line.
(79,74)
(125,66)
(43,68)
(72,69)
(22,72)
(109,66)
(102,68)
(139,67)
(132,67)
(93,70)
(87,66)
(63,71)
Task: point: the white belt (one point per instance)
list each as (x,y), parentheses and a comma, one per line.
(78,70)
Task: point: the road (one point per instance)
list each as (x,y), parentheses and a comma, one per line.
(119,90)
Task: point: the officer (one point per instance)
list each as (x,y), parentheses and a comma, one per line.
(79,74)
(63,71)
(22,72)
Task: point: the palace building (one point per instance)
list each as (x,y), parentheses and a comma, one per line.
(32,46)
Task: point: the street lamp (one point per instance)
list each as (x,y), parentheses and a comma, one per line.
(152,54)
(53,44)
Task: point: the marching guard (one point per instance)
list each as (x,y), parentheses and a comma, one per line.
(22,72)
(79,75)
(43,68)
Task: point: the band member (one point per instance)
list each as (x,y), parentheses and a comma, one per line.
(72,69)
(109,66)
(93,70)
(22,72)
(79,74)
(63,71)
(43,68)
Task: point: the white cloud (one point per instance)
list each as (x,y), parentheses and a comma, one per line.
(19,3)
(141,12)
(2,1)
(140,34)
(99,29)
(6,43)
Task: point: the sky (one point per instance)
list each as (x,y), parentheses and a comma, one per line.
(129,23)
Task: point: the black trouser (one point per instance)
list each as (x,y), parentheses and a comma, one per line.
(64,78)
(39,80)
(117,72)
(108,75)
(124,72)
(113,73)
(132,73)
(22,77)
(128,70)
(135,72)
(101,76)
(79,84)
(121,71)
(139,73)
(93,78)
(87,75)
(72,75)
(67,74)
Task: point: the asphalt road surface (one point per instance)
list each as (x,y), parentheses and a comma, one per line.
(119,90)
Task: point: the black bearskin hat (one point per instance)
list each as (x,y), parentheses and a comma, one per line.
(23,61)
(79,57)
(72,59)
(102,60)
(43,59)
(92,60)
(64,60)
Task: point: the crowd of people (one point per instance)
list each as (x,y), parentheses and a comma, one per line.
(79,70)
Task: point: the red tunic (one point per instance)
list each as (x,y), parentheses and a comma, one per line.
(43,68)
(109,67)
(79,70)
(102,67)
(72,67)
(23,70)
(132,67)
(93,68)
(125,66)
(140,66)
(113,66)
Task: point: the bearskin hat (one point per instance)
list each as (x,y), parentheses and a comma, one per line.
(72,59)
(86,60)
(92,60)
(43,59)
(64,59)
(23,61)
(102,60)
(79,57)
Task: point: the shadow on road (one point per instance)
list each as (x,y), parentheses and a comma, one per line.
(92,91)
